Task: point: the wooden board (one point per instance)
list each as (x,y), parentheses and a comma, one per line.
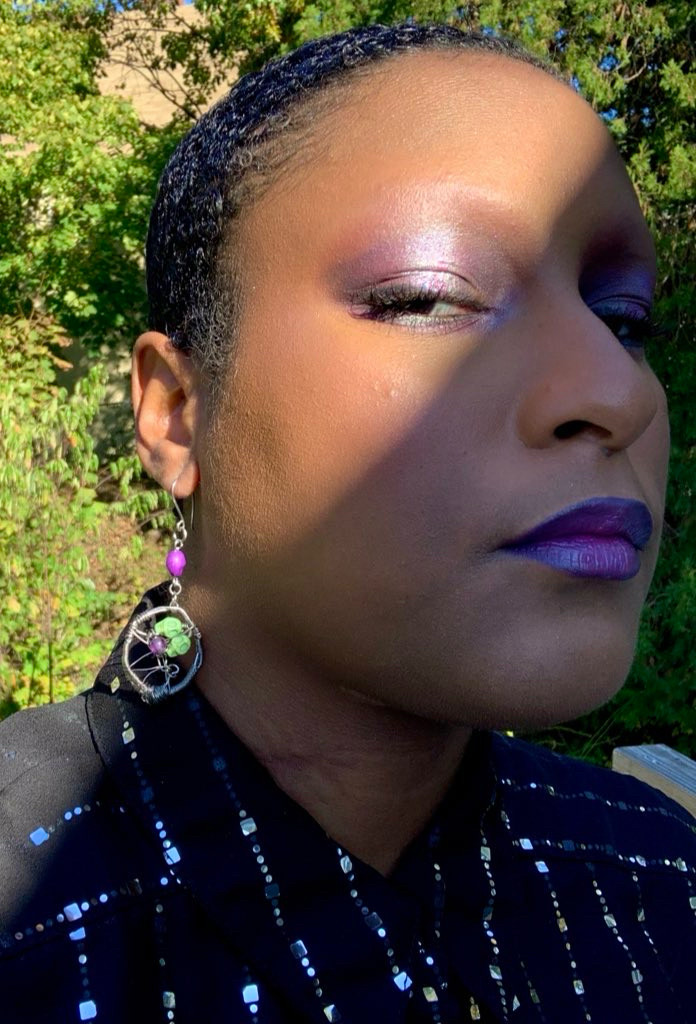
(661,767)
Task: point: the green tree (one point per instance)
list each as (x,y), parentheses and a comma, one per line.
(48,516)
(77,175)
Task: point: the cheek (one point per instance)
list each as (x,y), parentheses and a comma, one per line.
(312,418)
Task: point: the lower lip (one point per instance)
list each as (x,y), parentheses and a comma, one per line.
(603,558)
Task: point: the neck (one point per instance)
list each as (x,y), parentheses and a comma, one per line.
(371,776)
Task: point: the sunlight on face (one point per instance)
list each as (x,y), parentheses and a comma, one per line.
(441,346)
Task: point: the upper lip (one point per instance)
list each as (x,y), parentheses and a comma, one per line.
(598,517)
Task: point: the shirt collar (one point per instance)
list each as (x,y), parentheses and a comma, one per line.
(229,829)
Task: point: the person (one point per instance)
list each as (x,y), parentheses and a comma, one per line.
(400,291)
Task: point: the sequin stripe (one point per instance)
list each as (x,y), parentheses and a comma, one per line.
(611,923)
(250,995)
(74,911)
(539,845)
(640,919)
(166,985)
(168,1003)
(76,916)
(692,895)
(544,788)
(86,1006)
(431,993)
(73,914)
(533,994)
(41,833)
(128,737)
(564,934)
(432,962)
(249,832)
(494,967)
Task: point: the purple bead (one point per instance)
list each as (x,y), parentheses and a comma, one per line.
(157,644)
(176,562)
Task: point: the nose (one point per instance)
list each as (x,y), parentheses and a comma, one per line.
(581,383)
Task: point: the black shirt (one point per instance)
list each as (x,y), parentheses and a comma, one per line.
(151,871)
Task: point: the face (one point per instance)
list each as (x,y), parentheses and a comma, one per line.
(440,349)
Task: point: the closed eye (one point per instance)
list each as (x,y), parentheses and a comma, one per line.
(630,322)
(427,305)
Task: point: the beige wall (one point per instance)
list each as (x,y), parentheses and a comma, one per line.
(127,72)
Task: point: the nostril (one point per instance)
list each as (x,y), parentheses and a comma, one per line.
(570,429)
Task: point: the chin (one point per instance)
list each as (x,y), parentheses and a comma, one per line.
(564,687)
(528,681)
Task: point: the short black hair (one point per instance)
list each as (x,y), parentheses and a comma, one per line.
(231,153)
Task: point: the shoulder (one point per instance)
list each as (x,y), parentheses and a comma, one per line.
(591,808)
(604,861)
(48,764)
(49,771)
(65,839)
(531,766)
(55,734)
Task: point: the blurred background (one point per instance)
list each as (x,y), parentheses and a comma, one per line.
(94,95)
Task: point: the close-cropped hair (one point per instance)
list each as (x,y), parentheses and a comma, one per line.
(236,151)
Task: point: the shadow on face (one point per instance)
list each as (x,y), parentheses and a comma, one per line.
(441,346)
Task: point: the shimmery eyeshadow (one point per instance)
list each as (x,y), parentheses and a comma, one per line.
(436,249)
(619,278)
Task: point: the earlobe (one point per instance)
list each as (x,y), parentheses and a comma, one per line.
(164,390)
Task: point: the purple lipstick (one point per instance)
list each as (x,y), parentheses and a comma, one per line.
(596,539)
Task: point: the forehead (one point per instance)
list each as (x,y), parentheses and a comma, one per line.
(464,139)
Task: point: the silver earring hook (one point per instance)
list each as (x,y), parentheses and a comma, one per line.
(173,496)
(176,503)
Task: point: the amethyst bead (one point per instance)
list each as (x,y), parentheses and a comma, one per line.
(157,644)
(176,562)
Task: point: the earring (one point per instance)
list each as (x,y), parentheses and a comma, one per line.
(157,636)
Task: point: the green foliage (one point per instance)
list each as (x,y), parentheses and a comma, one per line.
(49,513)
(147,506)
(77,177)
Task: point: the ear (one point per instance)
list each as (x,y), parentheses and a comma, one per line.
(165,389)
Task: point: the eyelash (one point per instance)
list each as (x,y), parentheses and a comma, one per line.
(642,326)
(393,303)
